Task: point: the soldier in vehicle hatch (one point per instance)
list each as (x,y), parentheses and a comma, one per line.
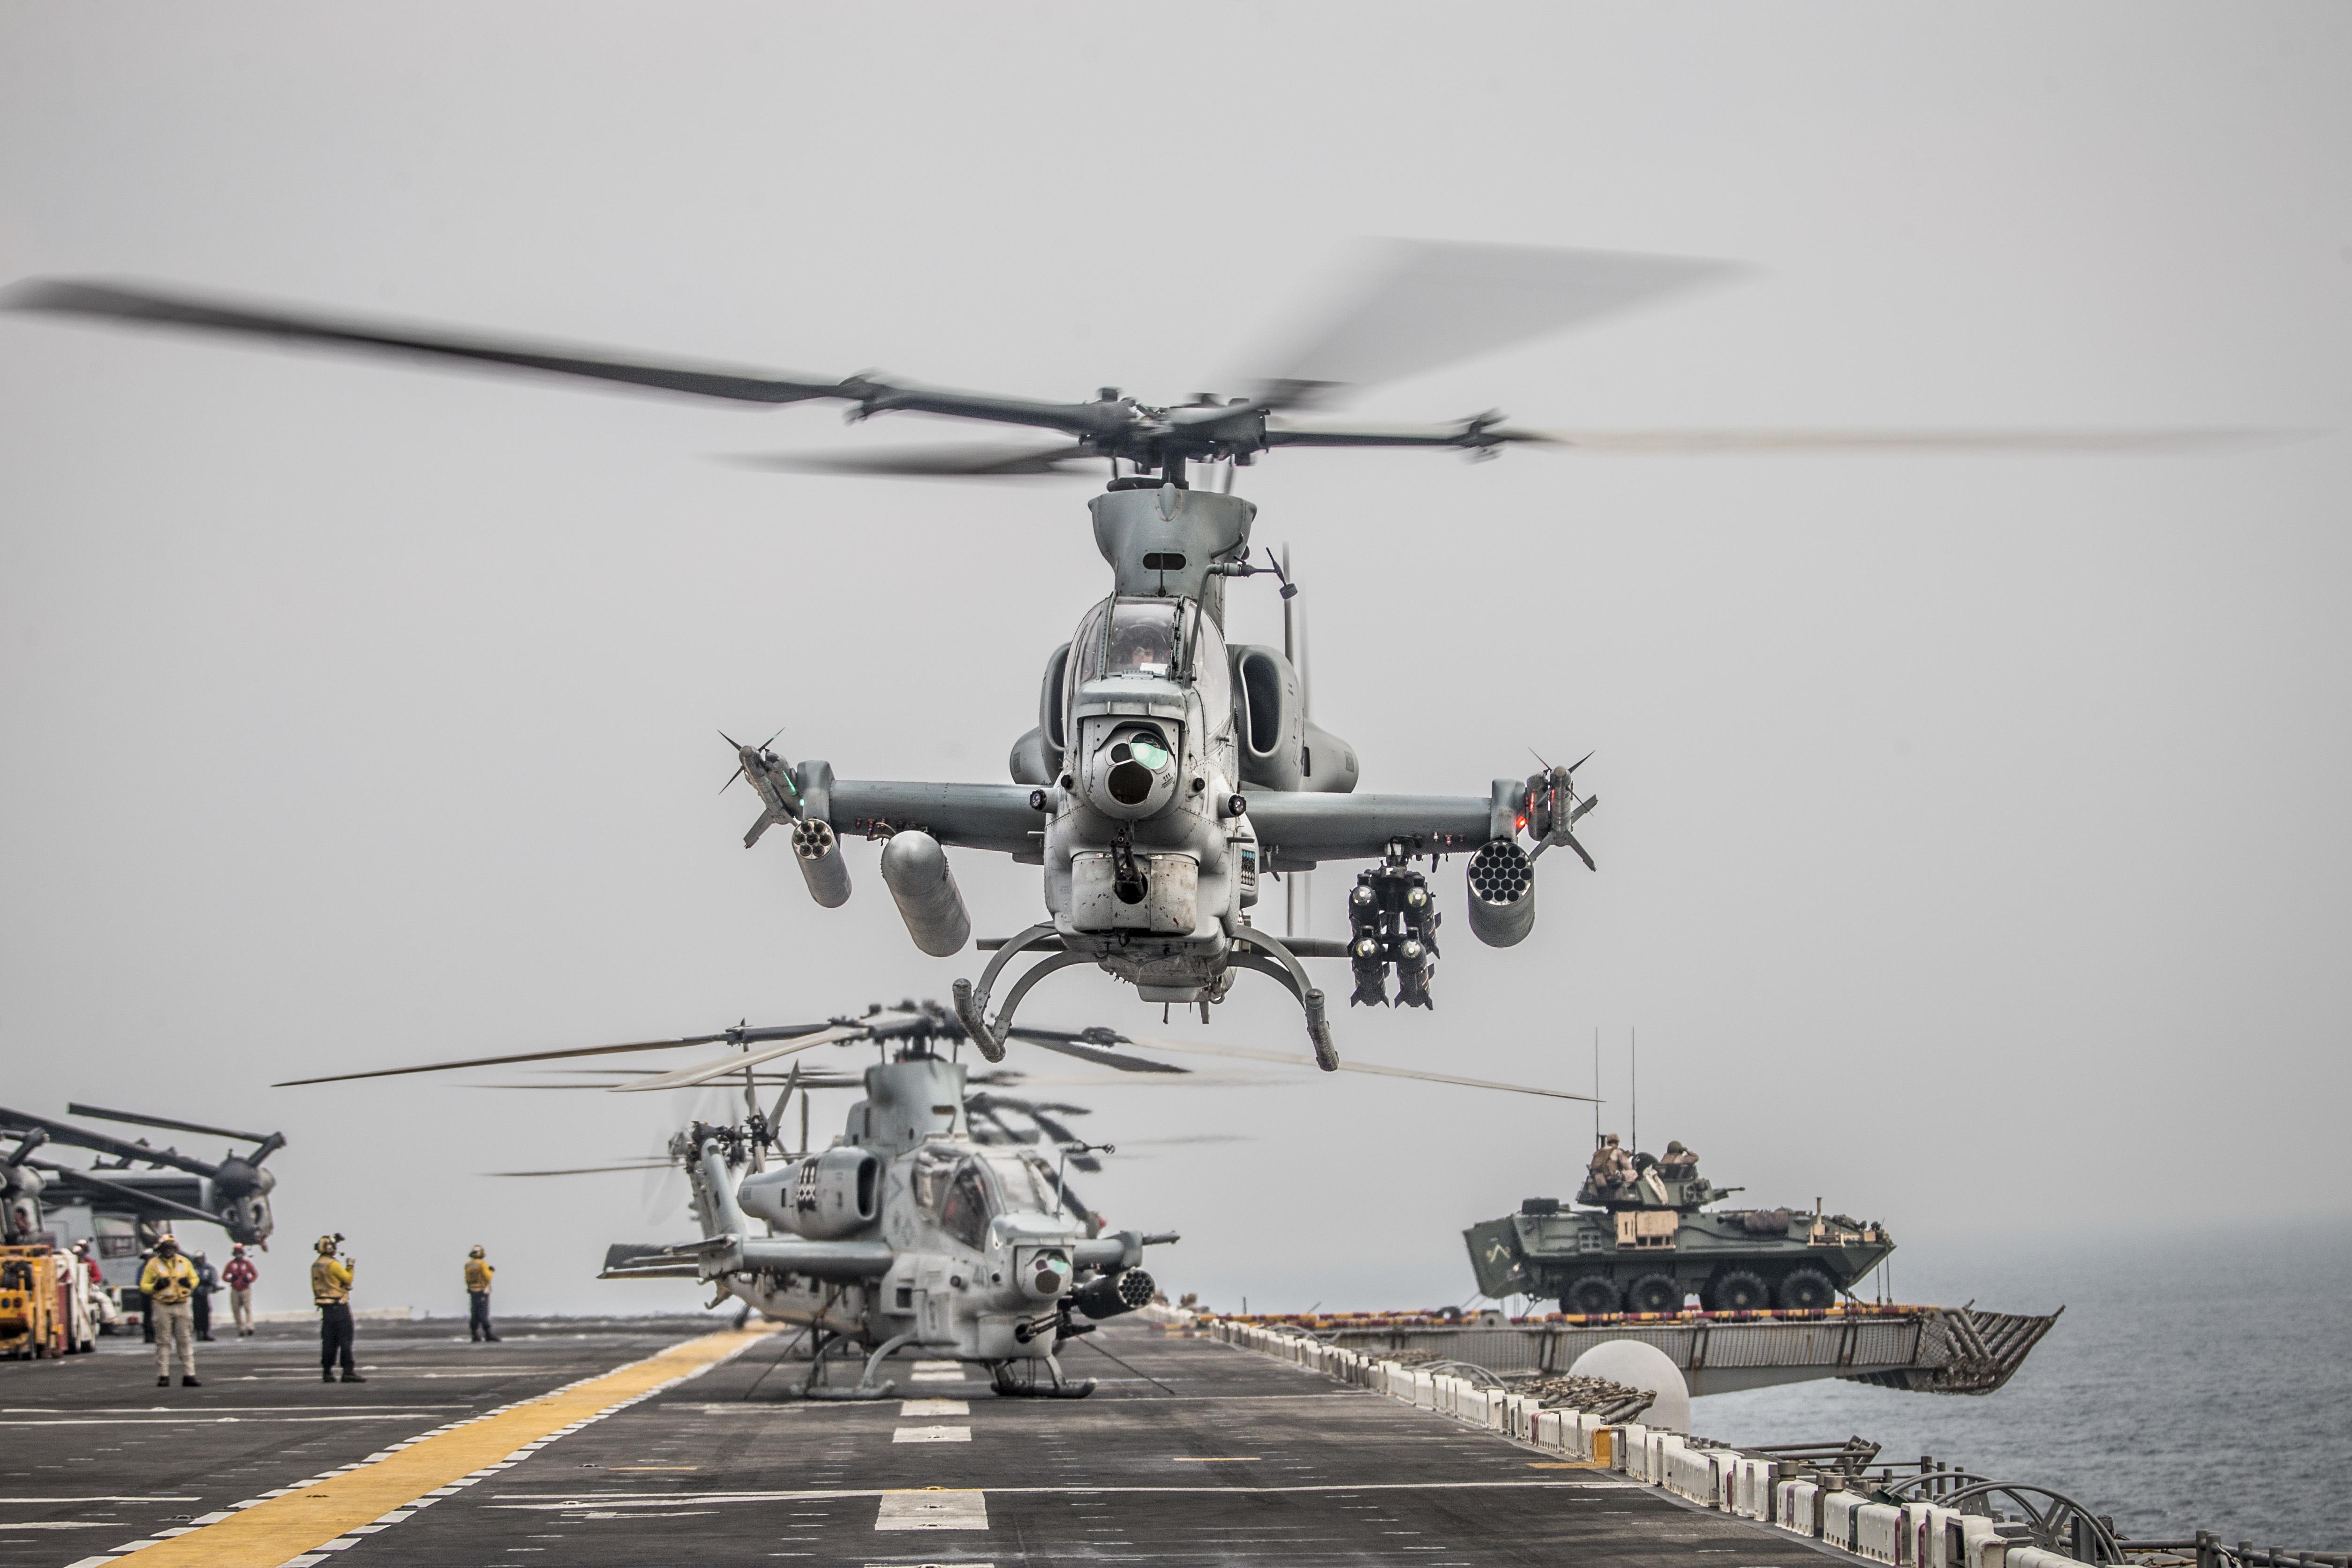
(1680,1162)
(1612,1170)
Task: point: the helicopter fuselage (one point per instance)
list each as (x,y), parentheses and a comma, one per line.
(906,1230)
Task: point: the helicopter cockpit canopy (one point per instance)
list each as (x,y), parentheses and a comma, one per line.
(1144,637)
(952,1188)
(1127,647)
(963,1192)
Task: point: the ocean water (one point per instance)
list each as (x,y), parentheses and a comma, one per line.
(2199,1379)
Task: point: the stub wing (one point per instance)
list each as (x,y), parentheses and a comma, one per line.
(716,1254)
(1295,831)
(975,815)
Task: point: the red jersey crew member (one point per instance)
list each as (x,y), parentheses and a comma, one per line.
(239,1274)
(330,1291)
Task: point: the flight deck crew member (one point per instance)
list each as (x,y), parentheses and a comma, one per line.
(478,1294)
(330,1291)
(207,1282)
(238,1275)
(168,1281)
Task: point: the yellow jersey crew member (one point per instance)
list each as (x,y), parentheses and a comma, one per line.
(169,1282)
(478,1294)
(330,1291)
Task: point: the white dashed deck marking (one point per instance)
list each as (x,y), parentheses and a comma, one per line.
(932,1407)
(933,1511)
(932,1434)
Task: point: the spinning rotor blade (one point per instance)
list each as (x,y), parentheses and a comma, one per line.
(1127,1143)
(1414,305)
(75,1110)
(1068,1043)
(1686,443)
(933,462)
(592,1170)
(162,308)
(1252,1054)
(792,1082)
(721,1066)
(786,1031)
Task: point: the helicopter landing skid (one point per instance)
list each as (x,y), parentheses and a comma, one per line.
(866,1387)
(1273,958)
(971,1001)
(1257,951)
(1024,1385)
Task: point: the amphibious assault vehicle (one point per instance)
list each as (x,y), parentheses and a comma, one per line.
(1642,1238)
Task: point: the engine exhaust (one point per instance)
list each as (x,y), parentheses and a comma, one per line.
(914,869)
(818,850)
(1502,893)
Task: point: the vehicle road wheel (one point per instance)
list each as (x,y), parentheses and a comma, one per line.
(1807,1290)
(1737,1290)
(1592,1295)
(1654,1293)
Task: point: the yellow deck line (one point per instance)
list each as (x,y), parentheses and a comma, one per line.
(267,1533)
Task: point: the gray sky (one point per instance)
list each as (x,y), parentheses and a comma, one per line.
(1964,816)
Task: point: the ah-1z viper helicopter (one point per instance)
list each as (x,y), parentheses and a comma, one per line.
(1168,770)
(933,1225)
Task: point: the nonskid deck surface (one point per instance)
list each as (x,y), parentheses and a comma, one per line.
(93,1455)
(1190,1452)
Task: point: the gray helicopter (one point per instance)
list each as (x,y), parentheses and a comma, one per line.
(936,1224)
(120,1210)
(1168,770)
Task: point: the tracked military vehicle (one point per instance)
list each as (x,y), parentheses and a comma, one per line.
(1642,1237)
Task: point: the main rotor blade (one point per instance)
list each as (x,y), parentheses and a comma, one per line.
(73,1108)
(1415,305)
(943,462)
(721,1066)
(1253,1054)
(153,307)
(592,1170)
(1068,1045)
(1685,443)
(786,1031)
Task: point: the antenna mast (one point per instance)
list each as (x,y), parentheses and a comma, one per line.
(1634,1073)
(1596,1086)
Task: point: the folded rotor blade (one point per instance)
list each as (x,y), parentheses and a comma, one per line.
(1684,443)
(786,1031)
(165,1121)
(721,1066)
(1253,1054)
(1068,1045)
(153,307)
(1414,305)
(945,462)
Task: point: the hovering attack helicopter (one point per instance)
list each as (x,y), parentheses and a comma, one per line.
(932,1224)
(1168,770)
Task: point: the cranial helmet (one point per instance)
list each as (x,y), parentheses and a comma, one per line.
(475,1253)
(326,1244)
(167,1240)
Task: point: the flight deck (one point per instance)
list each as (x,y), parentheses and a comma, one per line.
(582,1442)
